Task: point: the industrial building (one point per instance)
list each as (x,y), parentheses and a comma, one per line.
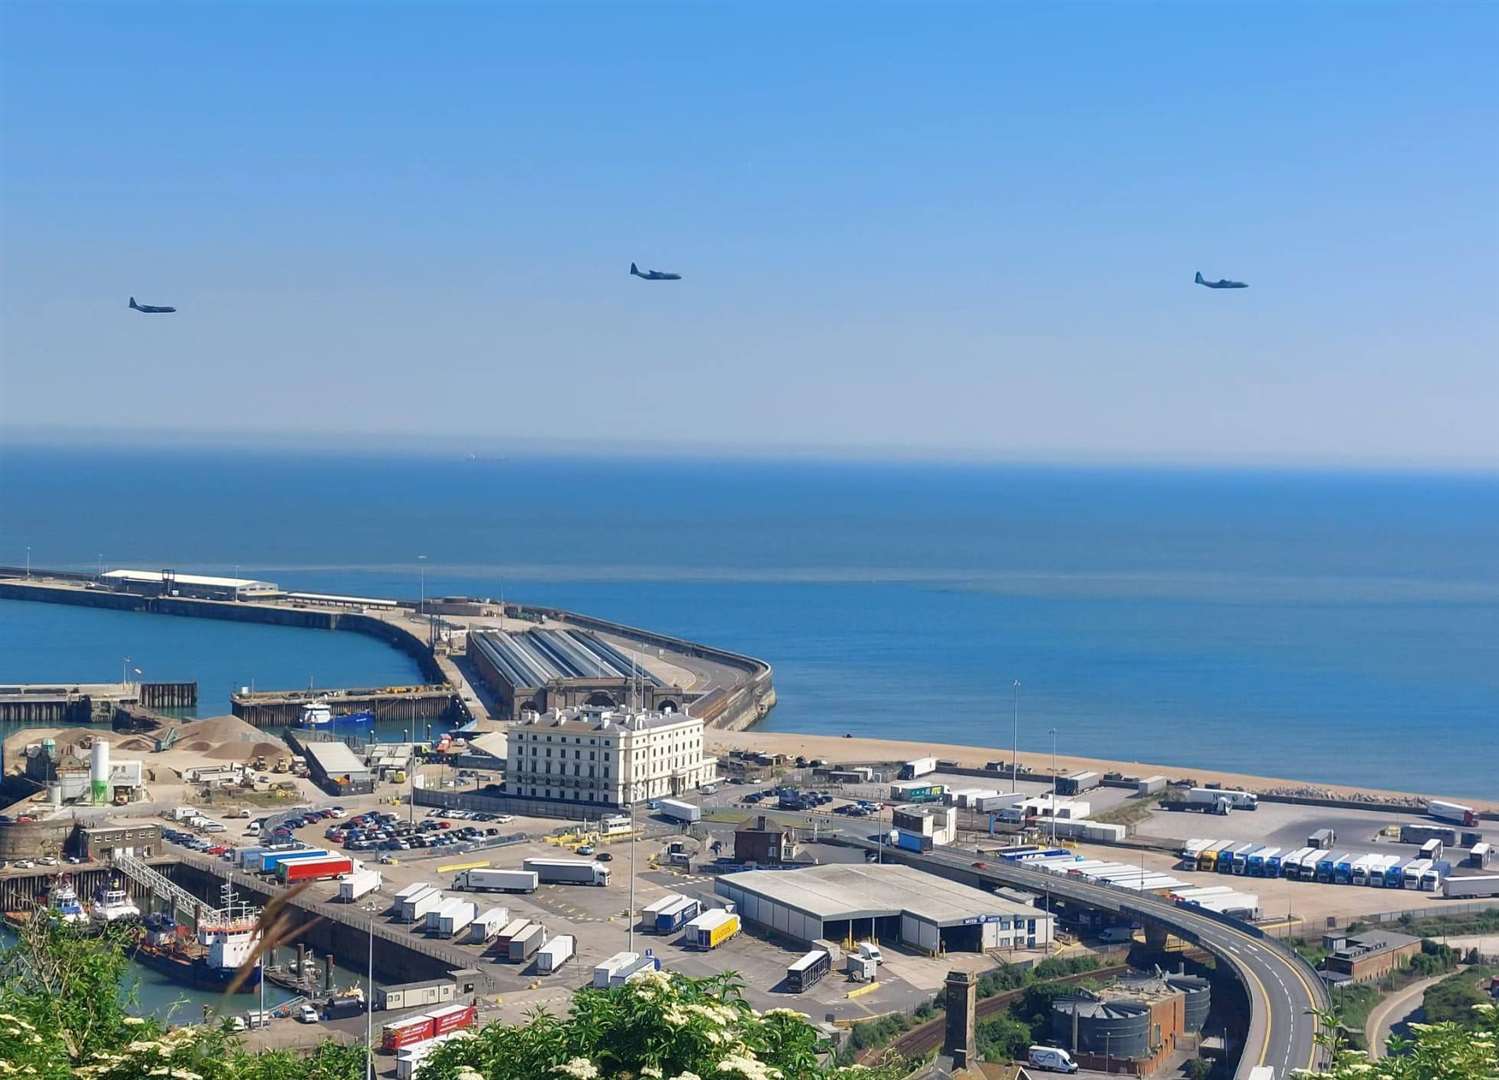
(537,670)
(920,828)
(194,586)
(101,842)
(607,756)
(82,773)
(337,769)
(1366,956)
(842,901)
(1137,1020)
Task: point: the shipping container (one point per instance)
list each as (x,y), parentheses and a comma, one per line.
(603,972)
(711,929)
(415,995)
(1474,885)
(808,971)
(524,945)
(1454,812)
(554,954)
(487,925)
(412,1029)
(415,907)
(650,911)
(359,883)
(319,869)
(568,871)
(677,915)
(487,880)
(1151,785)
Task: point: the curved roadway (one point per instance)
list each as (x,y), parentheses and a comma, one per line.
(1282,988)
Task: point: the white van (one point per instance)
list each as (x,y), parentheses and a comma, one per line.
(1051,1058)
(870,951)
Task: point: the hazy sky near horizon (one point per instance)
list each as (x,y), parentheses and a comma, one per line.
(908,228)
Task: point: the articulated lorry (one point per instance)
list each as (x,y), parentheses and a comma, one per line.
(1453,812)
(486,880)
(1216,800)
(568,871)
(677,810)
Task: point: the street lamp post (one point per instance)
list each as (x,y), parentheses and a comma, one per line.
(28,562)
(369,1003)
(421,565)
(1053,787)
(124,669)
(630,917)
(1015,760)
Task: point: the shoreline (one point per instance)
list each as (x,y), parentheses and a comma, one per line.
(863,750)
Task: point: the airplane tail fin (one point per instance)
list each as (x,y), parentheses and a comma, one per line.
(634,269)
(134,304)
(1198,278)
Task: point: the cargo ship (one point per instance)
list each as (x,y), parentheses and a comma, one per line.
(211,959)
(319,716)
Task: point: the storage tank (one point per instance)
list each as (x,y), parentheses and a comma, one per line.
(1119,1028)
(1199,995)
(99,772)
(54,794)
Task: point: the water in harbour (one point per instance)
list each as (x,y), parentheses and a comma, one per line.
(1315,626)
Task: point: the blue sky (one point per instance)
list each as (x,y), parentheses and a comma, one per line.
(907,230)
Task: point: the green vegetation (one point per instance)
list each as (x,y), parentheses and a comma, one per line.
(1013,977)
(61,1018)
(1004,1038)
(1485,921)
(1452,1000)
(874,1033)
(1438,1051)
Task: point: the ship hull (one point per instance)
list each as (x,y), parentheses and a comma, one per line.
(195,972)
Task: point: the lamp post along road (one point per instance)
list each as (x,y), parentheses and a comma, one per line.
(1015,752)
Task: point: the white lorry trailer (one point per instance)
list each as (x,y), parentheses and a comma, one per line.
(360,883)
(568,871)
(677,810)
(487,924)
(554,954)
(486,880)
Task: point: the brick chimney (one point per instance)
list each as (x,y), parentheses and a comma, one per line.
(959,1043)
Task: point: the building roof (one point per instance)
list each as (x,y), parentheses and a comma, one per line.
(1368,942)
(854,891)
(599,718)
(494,743)
(334,758)
(534,658)
(188,579)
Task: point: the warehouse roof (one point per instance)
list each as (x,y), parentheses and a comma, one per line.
(334,758)
(188,579)
(854,891)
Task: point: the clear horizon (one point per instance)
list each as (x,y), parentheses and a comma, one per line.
(949,234)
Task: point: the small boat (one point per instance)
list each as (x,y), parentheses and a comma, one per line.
(113,904)
(63,902)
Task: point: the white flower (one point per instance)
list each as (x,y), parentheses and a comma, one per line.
(133,1020)
(578,1068)
(747,1067)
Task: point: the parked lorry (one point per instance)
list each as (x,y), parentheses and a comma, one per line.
(487,924)
(451,917)
(1322,838)
(1258,862)
(451,1018)
(487,880)
(604,971)
(568,871)
(525,944)
(650,911)
(554,954)
(272,859)
(1481,856)
(1474,885)
(406,1031)
(359,883)
(1419,834)
(1078,783)
(321,868)
(917,768)
(634,970)
(415,907)
(711,929)
(1433,876)
(1237,800)
(1453,812)
(808,971)
(405,893)
(678,810)
(677,915)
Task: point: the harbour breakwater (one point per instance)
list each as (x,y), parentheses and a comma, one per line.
(738,701)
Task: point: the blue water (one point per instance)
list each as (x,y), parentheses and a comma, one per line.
(1337,627)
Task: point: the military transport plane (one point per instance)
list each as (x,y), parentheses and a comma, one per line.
(149,310)
(1221,283)
(654,275)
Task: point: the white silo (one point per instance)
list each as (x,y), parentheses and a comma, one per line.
(99,771)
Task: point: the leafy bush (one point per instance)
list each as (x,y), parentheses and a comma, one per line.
(1003,1038)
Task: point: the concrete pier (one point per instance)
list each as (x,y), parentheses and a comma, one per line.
(62,704)
(413,705)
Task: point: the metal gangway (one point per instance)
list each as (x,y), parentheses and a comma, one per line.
(160,886)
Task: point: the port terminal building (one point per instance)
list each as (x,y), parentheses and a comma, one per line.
(539,670)
(841,901)
(194,586)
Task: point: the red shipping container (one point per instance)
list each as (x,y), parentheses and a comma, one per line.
(400,1033)
(451,1018)
(315,869)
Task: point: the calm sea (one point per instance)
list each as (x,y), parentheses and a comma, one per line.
(1338,627)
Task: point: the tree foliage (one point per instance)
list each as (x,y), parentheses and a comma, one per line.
(1444,1051)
